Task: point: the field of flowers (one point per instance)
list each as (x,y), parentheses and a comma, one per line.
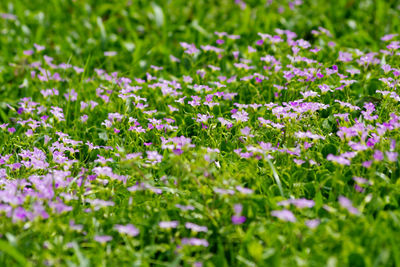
(199,133)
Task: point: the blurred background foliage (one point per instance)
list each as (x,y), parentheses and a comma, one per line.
(151,30)
(147,32)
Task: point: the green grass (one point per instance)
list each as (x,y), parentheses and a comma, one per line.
(146,33)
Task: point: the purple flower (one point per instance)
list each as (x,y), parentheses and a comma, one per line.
(246,131)
(388,37)
(168,224)
(28,52)
(386,68)
(244,190)
(392,156)
(39,47)
(110,53)
(241,116)
(367,164)
(298,161)
(224,191)
(338,159)
(225,122)
(309,94)
(103,238)
(195,227)
(203,117)
(154,157)
(300,203)
(361,180)
(174,59)
(187,79)
(285,215)
(60,207)
(313,223)
(201,73)
(378,155)
(8,16)
(58,113)
(128,229)
(394,45)
(238,219)
(358,188)
(156,68)
(20,214)
(76,227)
(238,208)
(346,203)
(177,151)
(195,242)
(345,57)
(84,118)
(134,155)
(71,95)
(260,42)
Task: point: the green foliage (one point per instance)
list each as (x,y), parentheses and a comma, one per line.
(146,33)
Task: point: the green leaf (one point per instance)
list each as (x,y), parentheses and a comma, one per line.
(14,253)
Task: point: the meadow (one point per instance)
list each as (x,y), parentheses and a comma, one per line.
(199,133)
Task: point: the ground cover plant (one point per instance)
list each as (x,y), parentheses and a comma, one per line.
(199,133)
